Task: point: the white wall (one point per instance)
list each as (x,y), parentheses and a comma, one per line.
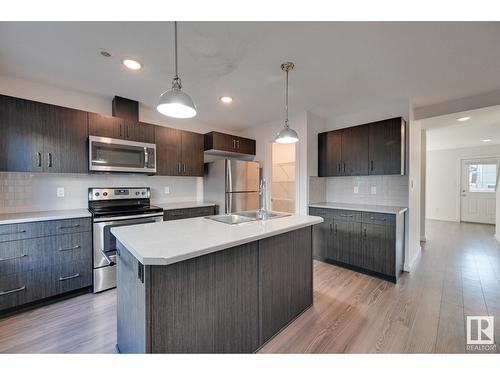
(443,179)
(412,246)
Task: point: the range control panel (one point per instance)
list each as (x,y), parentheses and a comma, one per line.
(99,194)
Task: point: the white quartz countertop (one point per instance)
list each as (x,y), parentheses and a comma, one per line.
(26,217)
(180,205)
(361,207)
(177,240)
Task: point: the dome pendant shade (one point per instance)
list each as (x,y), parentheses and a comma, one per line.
(175,103)
(286,135)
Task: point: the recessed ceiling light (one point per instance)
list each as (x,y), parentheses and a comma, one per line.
(463,118)
(487,140)
(132,64)
(226,99)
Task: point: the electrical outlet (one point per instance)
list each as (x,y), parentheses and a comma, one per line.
(60,192)
(166,190)
(356,189)
(373,190)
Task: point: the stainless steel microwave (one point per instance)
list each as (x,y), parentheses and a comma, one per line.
(118,155)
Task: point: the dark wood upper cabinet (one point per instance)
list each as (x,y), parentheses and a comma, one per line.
(65,141)
(22,123)
(330,154)
(178,152)
(229,143)
(386,147)
(119,128)
(39,137)
(192,154)
(355,151)
(106,126)
(377,148)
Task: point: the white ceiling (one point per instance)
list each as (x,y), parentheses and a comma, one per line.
(445,132)
(340,66)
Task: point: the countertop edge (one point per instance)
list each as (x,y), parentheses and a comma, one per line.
(43,217)
(180,258)
(396,211)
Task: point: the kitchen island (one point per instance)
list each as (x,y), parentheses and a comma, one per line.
(201,286)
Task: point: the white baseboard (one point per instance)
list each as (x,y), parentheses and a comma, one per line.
(497,236)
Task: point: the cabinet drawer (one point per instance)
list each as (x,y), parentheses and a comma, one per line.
(21,231)
(17,289)
(25,255)
(186,213)
(347,215)
(56,227)
(24,287)
(378,218)
(322,212)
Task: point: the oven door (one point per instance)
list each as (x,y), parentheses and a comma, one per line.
(118,155)
(105,242)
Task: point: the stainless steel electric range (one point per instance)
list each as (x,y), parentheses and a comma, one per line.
(116,207)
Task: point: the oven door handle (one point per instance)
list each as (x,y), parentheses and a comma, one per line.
(108,259)
(111,219)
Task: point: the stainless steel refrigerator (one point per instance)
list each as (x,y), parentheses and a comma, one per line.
(233,185)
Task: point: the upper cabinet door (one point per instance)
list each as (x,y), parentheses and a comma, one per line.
(22,124)
(168,151)
(245,145)
(387,147)
(107,126)
(143,132)
(330,154)
(192,154)
(355,151)
(65,141)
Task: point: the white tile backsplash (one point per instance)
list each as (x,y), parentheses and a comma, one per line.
(390,190)
(25,192)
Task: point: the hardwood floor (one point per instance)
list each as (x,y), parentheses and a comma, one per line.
(457,275)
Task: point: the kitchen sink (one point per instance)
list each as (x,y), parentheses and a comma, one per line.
(245,217)
(230,219)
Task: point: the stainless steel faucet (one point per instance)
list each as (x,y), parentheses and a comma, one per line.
(262,211)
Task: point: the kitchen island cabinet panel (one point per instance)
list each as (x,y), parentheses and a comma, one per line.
(286,279)
(211,305)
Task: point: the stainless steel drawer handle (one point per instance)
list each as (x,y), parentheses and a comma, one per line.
(70,226)
(11,233)
(13,290)
(14,257)
(342,215)
(69,248)
(374,218)
(69,277)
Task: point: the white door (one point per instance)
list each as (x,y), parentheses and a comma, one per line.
(478,190)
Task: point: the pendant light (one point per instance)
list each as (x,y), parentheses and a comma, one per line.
(286,135)
(175,102)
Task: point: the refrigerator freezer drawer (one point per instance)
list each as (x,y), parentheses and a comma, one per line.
(236,202)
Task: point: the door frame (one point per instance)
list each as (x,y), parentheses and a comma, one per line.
(458,217)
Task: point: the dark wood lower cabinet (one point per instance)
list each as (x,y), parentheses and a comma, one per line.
(367,242)
(186,213)
(43,259)
(230,301)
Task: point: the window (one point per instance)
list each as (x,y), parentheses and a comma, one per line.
(482,178)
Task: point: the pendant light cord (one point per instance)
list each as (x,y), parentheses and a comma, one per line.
(286,100)
(175,49)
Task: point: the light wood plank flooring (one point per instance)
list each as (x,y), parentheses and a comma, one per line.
(457,275)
